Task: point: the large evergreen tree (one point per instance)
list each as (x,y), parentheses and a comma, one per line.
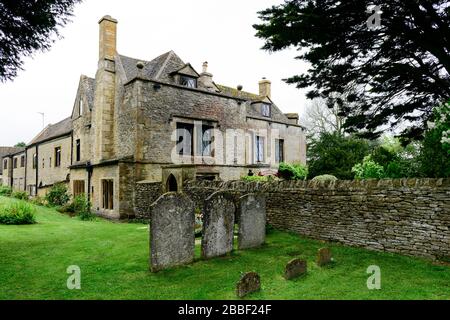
(27,26)
(392,74)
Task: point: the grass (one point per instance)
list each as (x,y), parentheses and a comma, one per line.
(113,258)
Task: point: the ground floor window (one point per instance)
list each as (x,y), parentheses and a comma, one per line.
(108,194)
(78,188)
(260,145)
(279,150)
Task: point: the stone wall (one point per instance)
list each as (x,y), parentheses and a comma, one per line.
(146,194)
(407,216)
(49,174)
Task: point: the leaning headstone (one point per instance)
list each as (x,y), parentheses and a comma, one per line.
(249,283)
(252,221)
(172,239)
(294,269)
(218,225)
(324,257)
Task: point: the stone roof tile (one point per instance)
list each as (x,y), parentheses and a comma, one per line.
(52,131)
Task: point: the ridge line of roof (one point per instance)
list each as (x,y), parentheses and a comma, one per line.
(163,66)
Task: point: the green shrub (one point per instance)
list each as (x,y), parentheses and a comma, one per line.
(38,201)
(5,191)
(255,179)
(325,177)
(18,213)
(82,208)
(21,195)
(368,169)
(293,171)
(86,215)
(67,208)
(58,195)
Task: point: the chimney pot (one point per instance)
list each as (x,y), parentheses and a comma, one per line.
(205,67)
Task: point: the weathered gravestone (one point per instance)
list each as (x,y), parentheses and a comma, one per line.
(294,269)
(218,225)
(249,283)
(172,240)
(252,221)
(324,257)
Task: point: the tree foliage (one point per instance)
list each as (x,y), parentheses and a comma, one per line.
(27,26)
(434,159)
(442,123)
(391,75)
(333,154)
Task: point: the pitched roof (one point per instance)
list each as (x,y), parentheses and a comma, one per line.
(52,131)
(152,69)
(239,94)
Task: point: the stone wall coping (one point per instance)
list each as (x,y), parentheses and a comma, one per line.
(415,183)
(148,182)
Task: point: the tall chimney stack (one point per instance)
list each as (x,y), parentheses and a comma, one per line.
(206,79)
(105,82)
(265,88)
(108,38)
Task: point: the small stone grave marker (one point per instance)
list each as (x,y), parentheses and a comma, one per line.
(324,257)
(249,283)
(294,269)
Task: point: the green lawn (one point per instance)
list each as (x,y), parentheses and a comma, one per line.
(113,258)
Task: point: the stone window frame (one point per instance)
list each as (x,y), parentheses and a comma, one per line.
(78,150)
(266,110)
(5,164)
(279,152)
(78,187)
(197,123)
(190,127)
(183,77)
(258,153)
(107,187)
(22,161)
(15,162)
(58,155)
(35,161)
(81,107)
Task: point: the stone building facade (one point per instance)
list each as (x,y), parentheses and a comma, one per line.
(12,171)
(142,123)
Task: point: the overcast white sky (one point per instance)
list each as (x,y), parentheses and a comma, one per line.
(219,32)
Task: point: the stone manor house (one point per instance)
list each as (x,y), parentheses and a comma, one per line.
(141,128)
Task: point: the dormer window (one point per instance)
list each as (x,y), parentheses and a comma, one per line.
(265,110)
(189,82)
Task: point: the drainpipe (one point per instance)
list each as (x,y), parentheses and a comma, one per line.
(71,149)
(26,165)
(89,170)
(37,170)
(11,179)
